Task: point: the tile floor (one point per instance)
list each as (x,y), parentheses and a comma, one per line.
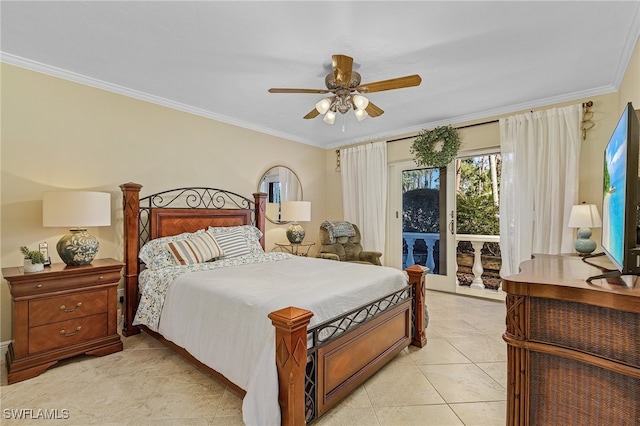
(459,378)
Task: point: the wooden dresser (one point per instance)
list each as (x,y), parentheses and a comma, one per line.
(61,312)
(573,347)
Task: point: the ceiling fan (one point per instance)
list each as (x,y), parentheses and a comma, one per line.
(343,83)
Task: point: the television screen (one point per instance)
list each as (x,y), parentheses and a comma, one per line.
(614,197)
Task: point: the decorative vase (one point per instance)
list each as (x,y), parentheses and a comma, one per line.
(77,247)
(32,267)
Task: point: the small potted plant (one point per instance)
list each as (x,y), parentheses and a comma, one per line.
(33,260)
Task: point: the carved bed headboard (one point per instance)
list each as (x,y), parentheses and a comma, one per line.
(173,212)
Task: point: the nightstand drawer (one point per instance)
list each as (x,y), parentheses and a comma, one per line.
(47,284)
(45,311)
(66,333)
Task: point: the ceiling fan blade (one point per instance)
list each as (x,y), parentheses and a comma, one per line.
(312,114)
(281,90)
(373,110)
(394,83)
(342,67)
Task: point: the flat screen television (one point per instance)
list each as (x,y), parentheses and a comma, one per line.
(620,196)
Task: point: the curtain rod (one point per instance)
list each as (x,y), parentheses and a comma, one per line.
(586,105)
(458,128)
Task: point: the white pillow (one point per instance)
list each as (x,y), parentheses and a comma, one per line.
(195,249)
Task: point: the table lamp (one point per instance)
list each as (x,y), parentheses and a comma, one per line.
(296,211)
(77,210)
(584,217)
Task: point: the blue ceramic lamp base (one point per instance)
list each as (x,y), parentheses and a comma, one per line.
(584,244)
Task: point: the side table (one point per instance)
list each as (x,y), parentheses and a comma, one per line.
(61,312)
(297,249)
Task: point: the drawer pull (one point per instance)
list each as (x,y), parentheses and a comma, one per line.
(64,308)
(100,277)
(39,286)
(65,334)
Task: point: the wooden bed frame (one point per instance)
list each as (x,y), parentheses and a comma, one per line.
(311,380)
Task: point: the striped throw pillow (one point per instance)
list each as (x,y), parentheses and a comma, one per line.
(197,249)
(233,243)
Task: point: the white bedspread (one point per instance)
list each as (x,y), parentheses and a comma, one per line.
(220,316)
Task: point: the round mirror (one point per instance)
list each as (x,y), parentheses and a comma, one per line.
(281,184)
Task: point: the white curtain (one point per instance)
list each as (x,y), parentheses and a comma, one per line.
(290,189)
(540,152)
(364,191)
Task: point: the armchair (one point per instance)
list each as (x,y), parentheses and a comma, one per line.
(345,248)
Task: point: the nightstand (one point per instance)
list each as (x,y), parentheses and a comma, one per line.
(298,249)
(61,312)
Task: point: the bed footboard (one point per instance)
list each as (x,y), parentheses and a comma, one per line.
(312,381)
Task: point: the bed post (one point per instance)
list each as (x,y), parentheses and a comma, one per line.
(260,199)
(417,275)
(291,359)
(131,208)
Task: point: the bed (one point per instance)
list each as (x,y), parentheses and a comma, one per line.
(308,340)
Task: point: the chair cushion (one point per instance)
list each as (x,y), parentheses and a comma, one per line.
(352,252)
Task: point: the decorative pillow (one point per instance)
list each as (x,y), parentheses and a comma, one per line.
(195,249)
(155,253)
(238,240)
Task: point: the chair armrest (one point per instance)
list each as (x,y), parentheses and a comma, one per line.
(329,256)
(371,257)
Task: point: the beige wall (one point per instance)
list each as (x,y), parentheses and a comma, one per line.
(62,135)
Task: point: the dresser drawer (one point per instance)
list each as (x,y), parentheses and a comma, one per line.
(65,333)
(48,284)
(54,309)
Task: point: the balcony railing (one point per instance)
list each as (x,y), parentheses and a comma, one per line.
(430,239)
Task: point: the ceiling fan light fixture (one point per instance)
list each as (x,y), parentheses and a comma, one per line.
(345,91)
(361,114)
(323,105)
(329,117)
(360,102)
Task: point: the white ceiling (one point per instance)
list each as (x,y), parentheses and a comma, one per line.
(217,59)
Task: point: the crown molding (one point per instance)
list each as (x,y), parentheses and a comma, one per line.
(136,94)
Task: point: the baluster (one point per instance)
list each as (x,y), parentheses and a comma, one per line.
(457,266)
(430,262)
(411,241)
(477,265)
(501,270)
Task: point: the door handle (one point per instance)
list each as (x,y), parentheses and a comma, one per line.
(452,223)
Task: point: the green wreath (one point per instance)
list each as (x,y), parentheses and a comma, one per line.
(437,147)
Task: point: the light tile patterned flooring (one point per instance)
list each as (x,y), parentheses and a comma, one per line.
(459,378)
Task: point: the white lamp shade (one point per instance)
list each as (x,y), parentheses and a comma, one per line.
(584,216)
(329,117)
(323,105)
(296,211)
(360,101)
(76,209)
(361,114)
